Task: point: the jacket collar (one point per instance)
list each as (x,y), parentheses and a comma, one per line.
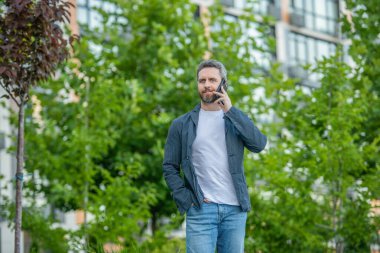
(194,114)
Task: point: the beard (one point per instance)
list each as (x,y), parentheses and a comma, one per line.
(207,98)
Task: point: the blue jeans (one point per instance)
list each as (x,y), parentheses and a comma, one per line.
(215,225)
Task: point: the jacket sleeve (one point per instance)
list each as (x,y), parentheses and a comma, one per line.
(253,139)
(171,169)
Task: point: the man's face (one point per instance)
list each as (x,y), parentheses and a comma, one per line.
(208,81)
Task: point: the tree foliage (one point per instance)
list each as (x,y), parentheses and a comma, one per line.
(361,25)
(32,44)
(102,132)
(315,182)
(315,185)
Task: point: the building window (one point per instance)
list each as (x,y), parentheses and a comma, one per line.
(252,40)
(255,38)
(263,7)
(87,13)
(306,50)
(318,15)
(233,3)
(267,7)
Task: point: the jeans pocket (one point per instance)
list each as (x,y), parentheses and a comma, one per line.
(188,212)
(193,208)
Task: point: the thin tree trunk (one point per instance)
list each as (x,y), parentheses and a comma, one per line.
(19,177)
(87,156)
(154,222)
(340,241)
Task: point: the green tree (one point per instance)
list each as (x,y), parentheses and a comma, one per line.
(314,184)
(361,25)
(102,136)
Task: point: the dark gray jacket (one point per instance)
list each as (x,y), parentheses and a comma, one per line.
(240,133)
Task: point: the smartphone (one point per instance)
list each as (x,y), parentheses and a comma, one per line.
(219,89)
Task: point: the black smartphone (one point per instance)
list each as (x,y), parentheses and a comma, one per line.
(219,89)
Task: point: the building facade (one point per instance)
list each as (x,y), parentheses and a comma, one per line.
(7,172)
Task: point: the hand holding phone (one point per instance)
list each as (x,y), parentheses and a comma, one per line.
(219,89)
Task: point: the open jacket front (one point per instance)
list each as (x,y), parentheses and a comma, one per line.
(240,133)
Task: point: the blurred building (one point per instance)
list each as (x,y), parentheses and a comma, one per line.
(305,30)
(7,172)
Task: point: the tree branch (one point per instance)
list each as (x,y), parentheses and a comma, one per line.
(10,94)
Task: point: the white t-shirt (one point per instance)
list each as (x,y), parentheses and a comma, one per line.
(210,160)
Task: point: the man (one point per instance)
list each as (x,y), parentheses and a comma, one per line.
(208,144)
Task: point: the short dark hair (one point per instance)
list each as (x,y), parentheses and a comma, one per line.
(213,64)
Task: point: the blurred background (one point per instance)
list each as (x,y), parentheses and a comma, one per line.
(306,71)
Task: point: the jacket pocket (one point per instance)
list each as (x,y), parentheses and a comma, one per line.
(183,200)
(241,189)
